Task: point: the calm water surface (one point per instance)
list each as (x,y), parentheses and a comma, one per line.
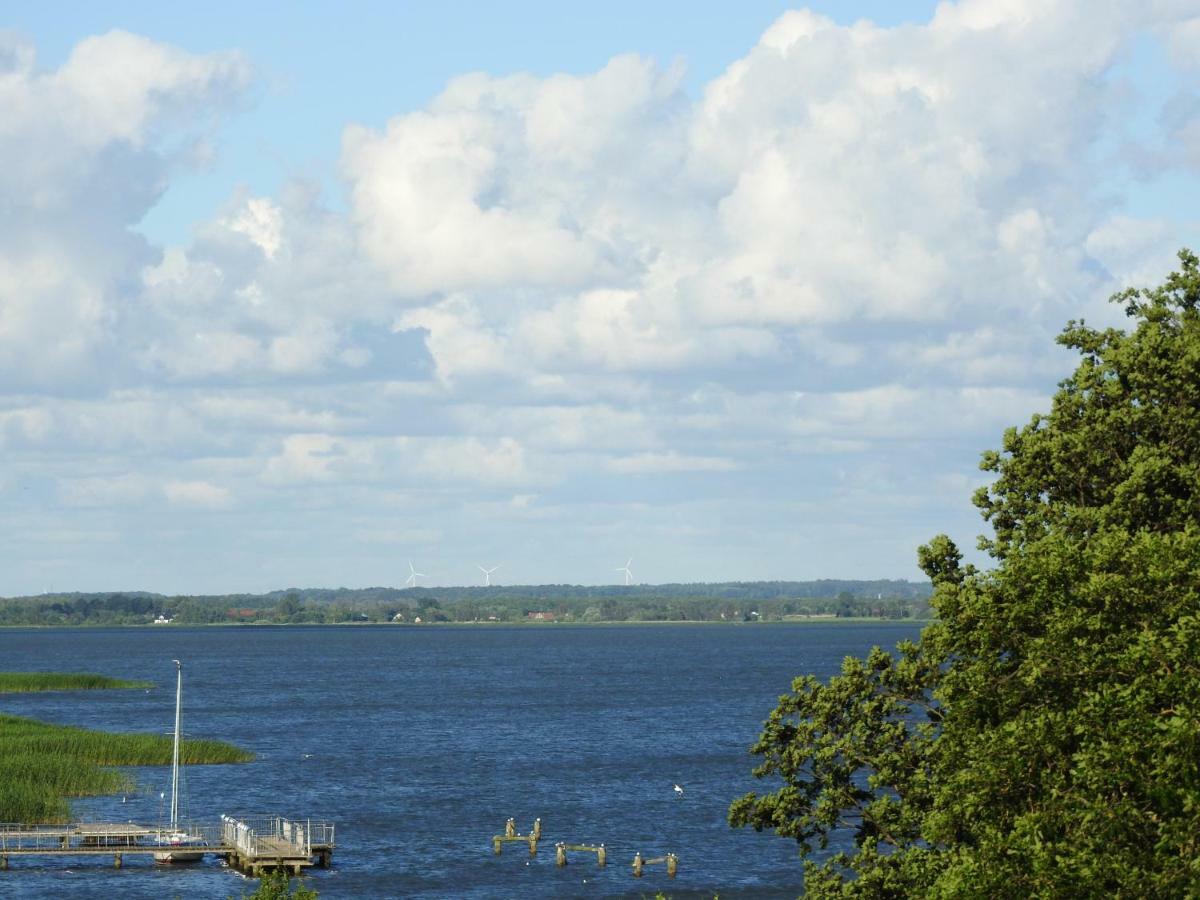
(419,742)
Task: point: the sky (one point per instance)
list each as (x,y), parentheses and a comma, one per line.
(297,294)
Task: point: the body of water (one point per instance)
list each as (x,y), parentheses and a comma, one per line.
(418,743)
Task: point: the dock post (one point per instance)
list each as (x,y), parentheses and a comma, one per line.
(533,842)
(117,861)
(637,864)
(560,854)
(601,856)
(510,828)
(672,864)
(4,863)
(536,831)
(496,845)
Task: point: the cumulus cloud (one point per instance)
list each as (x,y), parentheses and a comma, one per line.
(833,174)
(830,277)
(86,151)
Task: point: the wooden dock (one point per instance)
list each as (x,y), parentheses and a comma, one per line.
(252,845)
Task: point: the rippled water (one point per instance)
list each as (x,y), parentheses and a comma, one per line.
(419,742)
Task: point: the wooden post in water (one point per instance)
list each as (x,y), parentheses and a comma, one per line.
(672,864)
(117,861)
(496,845)
(602,856)
(637,864)
(560,854)
(4,862)
(510,828)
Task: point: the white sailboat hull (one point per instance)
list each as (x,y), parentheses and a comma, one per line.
(178,856)
(178,847)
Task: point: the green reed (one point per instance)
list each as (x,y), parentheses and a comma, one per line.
(41,763)
(24,682)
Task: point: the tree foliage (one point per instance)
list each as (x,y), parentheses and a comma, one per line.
(1042,737)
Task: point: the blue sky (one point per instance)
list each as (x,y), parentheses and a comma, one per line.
(291,294)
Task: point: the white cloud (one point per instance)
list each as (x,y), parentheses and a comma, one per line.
(198,494)
(314,457)
(658,463)
(841,262)
(85,151)
(470,459)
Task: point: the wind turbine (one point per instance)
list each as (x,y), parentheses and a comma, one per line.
(411,580)
(487,574)
(628,573)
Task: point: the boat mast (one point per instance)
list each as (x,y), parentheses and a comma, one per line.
(175,751)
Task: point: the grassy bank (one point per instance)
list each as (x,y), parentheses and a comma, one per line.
(26,682)
(41,765)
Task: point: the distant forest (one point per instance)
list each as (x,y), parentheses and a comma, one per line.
(739,601)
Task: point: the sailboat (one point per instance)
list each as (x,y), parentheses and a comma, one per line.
(182,847)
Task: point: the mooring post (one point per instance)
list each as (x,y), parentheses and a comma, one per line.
(672,864)
(510,828)
(536,831)
(560,854)
(601,855)
(496,845)
(637,864)
(117,861)
(4,863)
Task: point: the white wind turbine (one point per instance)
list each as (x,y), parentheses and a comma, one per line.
(411,580)
(487,574)
(628,573)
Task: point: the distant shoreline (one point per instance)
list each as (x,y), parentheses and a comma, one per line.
(844,620)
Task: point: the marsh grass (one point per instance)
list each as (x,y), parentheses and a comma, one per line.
(41,764)
(25,682)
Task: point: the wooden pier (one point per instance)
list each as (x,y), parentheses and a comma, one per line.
(561,848)
(510,834)
(253,845)
(640,862)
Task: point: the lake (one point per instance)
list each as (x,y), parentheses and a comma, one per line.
(418,743)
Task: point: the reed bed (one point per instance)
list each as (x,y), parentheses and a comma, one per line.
(25,682)
(41,764)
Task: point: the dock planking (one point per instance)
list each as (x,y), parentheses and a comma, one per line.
(252,845)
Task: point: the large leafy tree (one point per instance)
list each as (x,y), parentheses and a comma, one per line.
(1042,737)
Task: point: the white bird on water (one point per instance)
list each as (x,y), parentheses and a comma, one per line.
(678,791)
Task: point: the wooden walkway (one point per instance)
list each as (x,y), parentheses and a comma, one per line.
(253,845)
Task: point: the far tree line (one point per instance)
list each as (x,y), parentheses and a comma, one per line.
(735,602)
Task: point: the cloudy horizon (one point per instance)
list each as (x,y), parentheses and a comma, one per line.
(748,325)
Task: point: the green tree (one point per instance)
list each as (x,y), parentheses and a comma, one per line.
(277,886)
(1042,737)
(288,609)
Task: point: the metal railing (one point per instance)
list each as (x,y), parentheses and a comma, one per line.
(250,836)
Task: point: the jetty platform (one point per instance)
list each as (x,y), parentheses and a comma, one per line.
(253,845)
